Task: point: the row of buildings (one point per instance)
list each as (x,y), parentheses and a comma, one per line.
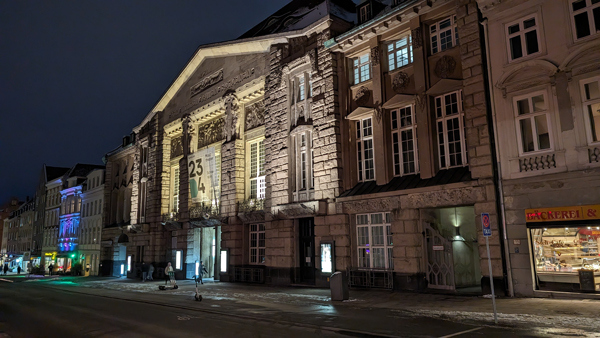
(373,139)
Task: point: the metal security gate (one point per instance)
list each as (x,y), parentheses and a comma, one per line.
(440,263)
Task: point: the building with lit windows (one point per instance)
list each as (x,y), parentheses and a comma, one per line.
(545,88)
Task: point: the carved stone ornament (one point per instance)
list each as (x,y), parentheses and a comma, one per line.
(176,147)
(417,37)
(375,56)
(231,127)
(400,82)
(312,55)
(255,115)
(207,82)
(363,94)
(378,112)
(445,66)
(442,198)
(421,100)
(371,205)
(210,133)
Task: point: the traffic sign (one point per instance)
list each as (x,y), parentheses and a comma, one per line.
(485,223)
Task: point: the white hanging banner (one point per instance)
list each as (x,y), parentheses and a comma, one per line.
(203,176)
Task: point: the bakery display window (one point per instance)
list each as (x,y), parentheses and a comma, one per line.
(563,254)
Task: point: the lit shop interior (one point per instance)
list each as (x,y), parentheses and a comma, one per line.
(565,255)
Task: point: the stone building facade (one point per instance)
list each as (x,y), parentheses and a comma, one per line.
(18,233)
(545,80)
(90,229)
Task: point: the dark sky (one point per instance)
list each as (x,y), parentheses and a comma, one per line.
(75,76)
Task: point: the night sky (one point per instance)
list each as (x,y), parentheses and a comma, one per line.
(76,76)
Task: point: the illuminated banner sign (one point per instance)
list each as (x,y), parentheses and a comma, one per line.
(578,213)
(203,176)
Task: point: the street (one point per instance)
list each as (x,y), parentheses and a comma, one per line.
(72,307)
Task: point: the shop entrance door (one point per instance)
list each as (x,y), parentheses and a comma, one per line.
(307,250)
(440,263)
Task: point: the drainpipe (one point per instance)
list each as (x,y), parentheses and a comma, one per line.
(496,153)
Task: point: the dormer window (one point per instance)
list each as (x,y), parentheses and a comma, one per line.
(365,13)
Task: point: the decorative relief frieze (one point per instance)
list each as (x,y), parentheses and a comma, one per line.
(537,163)
(255,115)
(206,82)
(176,147)
(370,205)
(441,198)
(362,96)
(210,133)
(445,66)
(375,56)
(400,82)
(417,37)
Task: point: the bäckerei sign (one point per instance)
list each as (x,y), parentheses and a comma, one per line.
(577,213)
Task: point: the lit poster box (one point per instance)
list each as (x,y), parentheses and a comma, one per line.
(327,257)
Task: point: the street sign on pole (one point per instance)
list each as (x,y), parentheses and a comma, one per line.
(487,232)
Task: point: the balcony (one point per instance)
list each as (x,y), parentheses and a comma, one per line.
(205,215)
(252,210)
(171,221)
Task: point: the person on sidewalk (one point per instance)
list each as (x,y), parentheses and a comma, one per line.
(18,270)
(50,268)
(5,268)
(171,273)
(201,270)
(150,271)
(144,271)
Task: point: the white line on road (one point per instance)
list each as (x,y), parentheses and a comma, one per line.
(462,332)
(5,280)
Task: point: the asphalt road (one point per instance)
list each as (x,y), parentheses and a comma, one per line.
(46,310)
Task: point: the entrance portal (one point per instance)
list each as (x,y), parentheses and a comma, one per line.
(306,246)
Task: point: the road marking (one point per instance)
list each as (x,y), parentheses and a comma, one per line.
(462,332)
(6,280)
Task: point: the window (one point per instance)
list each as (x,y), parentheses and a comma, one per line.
(303,160)
(533,123)
(523,38)
(257,243)
(591,106)
(450,130)
(301,88)
(375,242)
(443,34)
(175,192)
(364,147)
(257,170)
(586,17)
(400,53)
(404,140)
(365,13)
(362,68)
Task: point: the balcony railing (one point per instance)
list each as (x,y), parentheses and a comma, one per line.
(251,204)
(203,215)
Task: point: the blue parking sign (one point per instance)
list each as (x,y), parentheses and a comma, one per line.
(485,223)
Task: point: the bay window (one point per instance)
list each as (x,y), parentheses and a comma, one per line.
(362,68)
(450,130)
(400,53)
(443,34)
(364,147)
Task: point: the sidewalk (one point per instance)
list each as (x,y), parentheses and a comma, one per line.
(434,305)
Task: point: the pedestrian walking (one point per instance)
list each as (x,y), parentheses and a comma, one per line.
(201,270)
(144,271)
(50,268)
(18,270)
(171,274)
(5,268)
(150,271)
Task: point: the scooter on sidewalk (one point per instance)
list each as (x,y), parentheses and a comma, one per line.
(171,280)
(198,296)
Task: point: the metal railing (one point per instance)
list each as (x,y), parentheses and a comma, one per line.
(371,278)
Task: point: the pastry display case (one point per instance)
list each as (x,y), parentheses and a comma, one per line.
(560,252)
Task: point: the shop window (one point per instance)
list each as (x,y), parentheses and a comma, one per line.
(443,34)
(523,37)
(257,243)
(591,107)
(375,241)
(404,141)
(450,130)
(364,147)
(586,17)
(361,68)
(400,53)
(533,122)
